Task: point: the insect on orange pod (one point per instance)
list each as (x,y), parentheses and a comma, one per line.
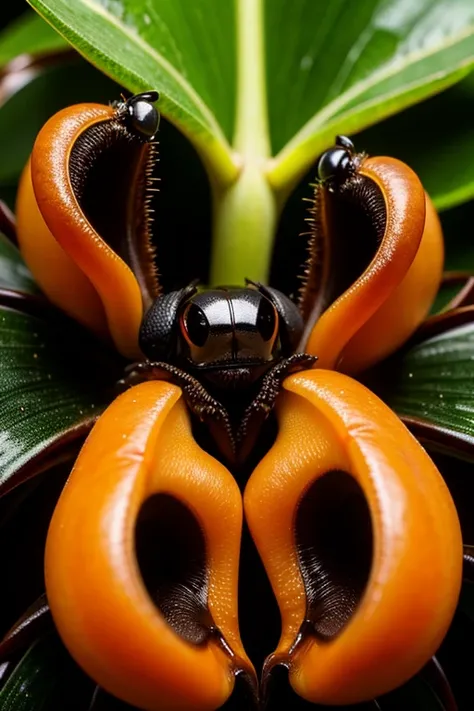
(83,215)
(353,524)
(372,216)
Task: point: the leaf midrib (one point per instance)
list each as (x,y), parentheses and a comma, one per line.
(385,72)
(164,63)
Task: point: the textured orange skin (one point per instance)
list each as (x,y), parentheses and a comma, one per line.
(142,445)
(55,272)
(61,247)
(391,298)
(329,421)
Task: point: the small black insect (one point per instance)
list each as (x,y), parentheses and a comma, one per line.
(229,350)
(337,164)
(142,117)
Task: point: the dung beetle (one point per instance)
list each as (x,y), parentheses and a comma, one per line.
(229,349)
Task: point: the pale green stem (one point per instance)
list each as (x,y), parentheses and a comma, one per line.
(245,212)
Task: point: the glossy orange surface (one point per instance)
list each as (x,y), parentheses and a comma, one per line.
(327,422)
(74,266)
(391,298)
(57,274)
(143,445)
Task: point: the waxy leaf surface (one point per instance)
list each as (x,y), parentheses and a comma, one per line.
(433,383)
(341,66)
(332,67)
(184,50)
(42,680)
(442,151)
(49,392)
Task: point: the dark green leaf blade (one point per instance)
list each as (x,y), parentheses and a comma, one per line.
(14,274)
(349,65)
(45,678)
(442,157)
(32,685)
(29,34)
(51,390)
(33,623)
(431,386)
(184,50)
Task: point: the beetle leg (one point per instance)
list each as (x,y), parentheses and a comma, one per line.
(264,402)
(206,408)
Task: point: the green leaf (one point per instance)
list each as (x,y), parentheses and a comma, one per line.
(434,154)
(33,683)
(46,678)
(184,50)
(432,385)
(35,622)
(50,391)
(29,34)
(13,272)
(346,66)
(51,89)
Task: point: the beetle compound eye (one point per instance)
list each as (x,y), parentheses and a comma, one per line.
(266,319)
(335,166)
(195,325)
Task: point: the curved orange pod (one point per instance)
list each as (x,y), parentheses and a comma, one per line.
(390,299)
(183,651)
(346,637)
(73,263)
(407,307)
(55,272)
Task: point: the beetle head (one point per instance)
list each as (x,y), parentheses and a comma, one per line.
(221,328)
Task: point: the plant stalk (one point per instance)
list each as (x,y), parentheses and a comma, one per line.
(245,213)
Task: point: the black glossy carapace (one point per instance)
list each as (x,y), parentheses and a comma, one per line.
(142,117)
(228,336)
(337,164)
(229,349)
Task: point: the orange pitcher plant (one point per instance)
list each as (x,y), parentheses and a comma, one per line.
(239,406)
